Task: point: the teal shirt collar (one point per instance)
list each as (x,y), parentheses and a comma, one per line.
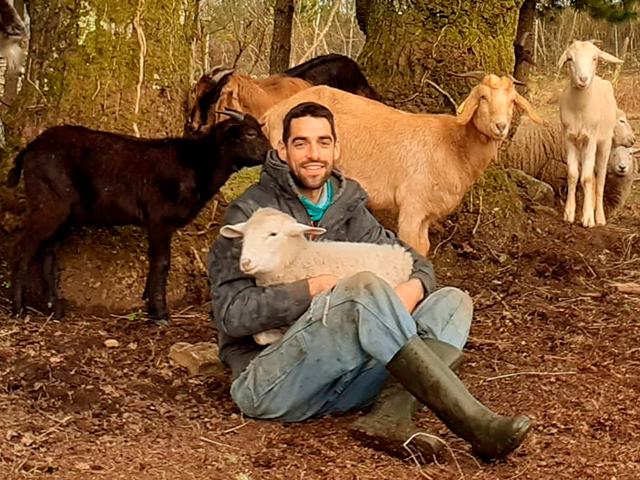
(316,210)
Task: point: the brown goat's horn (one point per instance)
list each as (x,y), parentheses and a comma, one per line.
(516,81)
(239,116)
(218,75)
(524,38)
(478,75)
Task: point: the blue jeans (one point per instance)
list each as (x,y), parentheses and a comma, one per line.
(334,357)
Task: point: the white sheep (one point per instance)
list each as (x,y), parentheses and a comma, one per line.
(275,250)
(416,164)
(538,150)
(588,116)
(621,173)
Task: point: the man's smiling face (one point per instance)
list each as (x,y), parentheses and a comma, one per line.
(310,152)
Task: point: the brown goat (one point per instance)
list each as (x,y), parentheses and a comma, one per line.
(419,165)
(255,97)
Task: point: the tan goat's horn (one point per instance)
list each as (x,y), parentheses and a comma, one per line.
(478,75)
(239,116)
(516,81)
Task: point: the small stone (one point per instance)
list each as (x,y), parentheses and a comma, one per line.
(111,343)
(199,358)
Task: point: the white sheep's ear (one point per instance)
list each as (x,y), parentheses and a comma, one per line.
(563,59)
(300,229)
(233,231)
(607,57)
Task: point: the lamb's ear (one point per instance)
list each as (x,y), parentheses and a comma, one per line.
(233,231)
(563,59)
(301,229)
(607,57)
(522,102)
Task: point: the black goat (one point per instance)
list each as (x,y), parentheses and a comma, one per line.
(337,71)
(76,176)
(334,70)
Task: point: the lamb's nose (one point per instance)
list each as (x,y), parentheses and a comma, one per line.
(501,126)
(245,264)
(623,169)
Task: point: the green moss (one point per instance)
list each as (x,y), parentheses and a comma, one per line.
(239,182)
(84,66)
(426,39)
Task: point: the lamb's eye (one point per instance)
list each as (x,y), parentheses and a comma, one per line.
(273,234)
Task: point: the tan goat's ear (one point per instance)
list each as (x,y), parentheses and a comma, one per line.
(469,107)
(607,57)
(522,102)
(233,231)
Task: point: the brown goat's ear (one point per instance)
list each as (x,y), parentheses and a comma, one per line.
(470,106)
(522,102)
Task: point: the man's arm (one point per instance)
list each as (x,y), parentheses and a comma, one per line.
(366,228)
(240,307)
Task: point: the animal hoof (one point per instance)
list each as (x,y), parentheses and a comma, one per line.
(162,321)
(17,312)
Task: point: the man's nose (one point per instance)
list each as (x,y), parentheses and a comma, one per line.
(314,151)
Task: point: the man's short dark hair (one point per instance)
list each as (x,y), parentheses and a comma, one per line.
(307,109)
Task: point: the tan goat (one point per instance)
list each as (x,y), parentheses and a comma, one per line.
(416,164)
(255,97)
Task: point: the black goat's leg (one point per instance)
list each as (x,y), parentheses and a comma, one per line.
(40,227)
(145,294)
(49,282)
(159,264)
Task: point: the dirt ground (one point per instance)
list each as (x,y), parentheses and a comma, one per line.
(552,338)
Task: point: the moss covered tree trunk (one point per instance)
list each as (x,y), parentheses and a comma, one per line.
(413,42)
(84,67)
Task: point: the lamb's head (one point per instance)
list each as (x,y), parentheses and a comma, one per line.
(582,58)
(623,132)
(622,161)
(490,107)
(271,240)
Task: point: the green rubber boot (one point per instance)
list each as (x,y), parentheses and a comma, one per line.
(390,423)
(422,372)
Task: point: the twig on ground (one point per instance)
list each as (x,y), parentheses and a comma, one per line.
(435,250)
(527,373)
(208,440)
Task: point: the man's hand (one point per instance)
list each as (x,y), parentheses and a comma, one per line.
(321,283)
(411,293)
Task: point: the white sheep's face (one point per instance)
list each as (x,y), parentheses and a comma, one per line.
(623,132)
(621,162)
(582,58)
(270,240)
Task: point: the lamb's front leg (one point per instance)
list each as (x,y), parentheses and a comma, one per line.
(572,181)
(586,179)
(602,159)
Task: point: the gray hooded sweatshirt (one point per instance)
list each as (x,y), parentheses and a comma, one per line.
(241,308)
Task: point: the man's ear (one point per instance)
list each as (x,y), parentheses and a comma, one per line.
(282,150)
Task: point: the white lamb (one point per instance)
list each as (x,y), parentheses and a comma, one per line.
(275,250)
(588,116)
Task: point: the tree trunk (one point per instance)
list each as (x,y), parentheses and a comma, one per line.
(281,41)
(84,67)
(524,50)
(11,78)
(413,42)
